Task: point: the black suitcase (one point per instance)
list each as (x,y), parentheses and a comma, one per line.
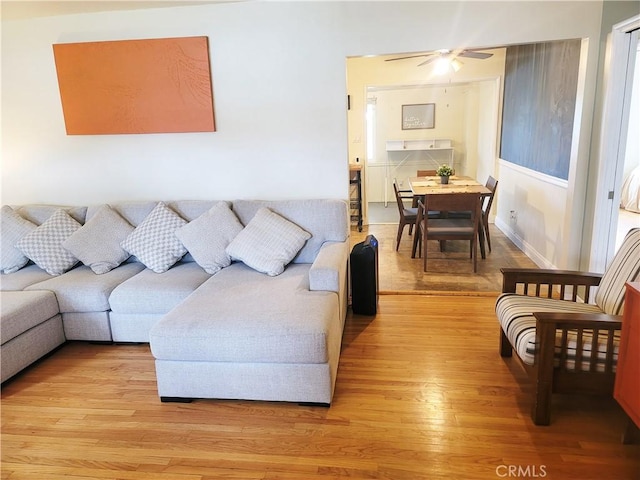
(364,276)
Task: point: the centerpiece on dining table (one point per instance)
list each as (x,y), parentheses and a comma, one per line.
(444,171)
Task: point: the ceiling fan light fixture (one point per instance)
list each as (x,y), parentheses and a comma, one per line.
(442,66)
(445,64)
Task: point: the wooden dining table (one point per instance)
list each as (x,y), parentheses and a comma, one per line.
(422,186)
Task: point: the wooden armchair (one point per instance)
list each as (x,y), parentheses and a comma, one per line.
(565,343)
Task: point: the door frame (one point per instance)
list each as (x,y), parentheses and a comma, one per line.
(618,78)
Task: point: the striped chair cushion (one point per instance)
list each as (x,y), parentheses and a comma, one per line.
(515,313)
(625,267)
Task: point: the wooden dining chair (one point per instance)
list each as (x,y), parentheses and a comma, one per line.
(485,209)
(408,216)
(449,228)
(487,201)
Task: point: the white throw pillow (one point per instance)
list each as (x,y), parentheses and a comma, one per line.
(154,241)
(208,236)
(268,243)
(97,243)
(43,245)
(13,228)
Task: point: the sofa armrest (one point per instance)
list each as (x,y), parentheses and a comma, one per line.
(329,267)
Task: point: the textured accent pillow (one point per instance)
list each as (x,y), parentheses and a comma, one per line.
(268,243)
(97,243)
(43,245)
(13,228)
(208,236)
(154,241)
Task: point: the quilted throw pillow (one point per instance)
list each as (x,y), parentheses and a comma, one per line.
(154,241)
(13,228)
(268,243)
(97,243)
(43,245)
(208,236)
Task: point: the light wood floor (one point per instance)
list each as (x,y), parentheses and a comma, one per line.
(422,394)
(451,271)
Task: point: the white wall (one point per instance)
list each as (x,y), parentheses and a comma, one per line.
(450,118)
(279,107)
(279,89)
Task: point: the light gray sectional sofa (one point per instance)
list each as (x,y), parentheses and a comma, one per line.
(252,308)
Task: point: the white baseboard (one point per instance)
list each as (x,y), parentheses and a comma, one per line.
(522,244)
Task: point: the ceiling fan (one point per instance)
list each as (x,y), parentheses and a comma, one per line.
(448,55)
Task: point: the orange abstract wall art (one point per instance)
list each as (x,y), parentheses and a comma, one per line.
(136,86)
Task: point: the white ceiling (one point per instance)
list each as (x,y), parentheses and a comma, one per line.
(22,9)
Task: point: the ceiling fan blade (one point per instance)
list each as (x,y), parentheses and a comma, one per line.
(429,60)
(474,54)
(410,56)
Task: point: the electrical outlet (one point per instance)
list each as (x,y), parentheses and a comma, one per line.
(513,216)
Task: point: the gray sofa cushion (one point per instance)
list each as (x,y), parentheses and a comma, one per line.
(81,290)
(38,214)
(192,209)
(240,315)
(13,228)
(23,278)
(97,242)
(149,292)
(326,220)
(43,245)
(207,237)
(21,311)
(268,243)
(154,242)
(136,211)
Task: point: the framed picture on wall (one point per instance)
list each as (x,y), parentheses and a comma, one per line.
(417,116)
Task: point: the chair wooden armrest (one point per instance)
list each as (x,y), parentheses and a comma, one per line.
(563,320)
(552,371)
(561,279)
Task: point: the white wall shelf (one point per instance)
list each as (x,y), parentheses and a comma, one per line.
(433,144)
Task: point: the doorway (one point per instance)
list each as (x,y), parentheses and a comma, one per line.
(629,211)
(615,141)
(465,104)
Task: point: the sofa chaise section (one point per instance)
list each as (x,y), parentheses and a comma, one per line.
(244,335)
